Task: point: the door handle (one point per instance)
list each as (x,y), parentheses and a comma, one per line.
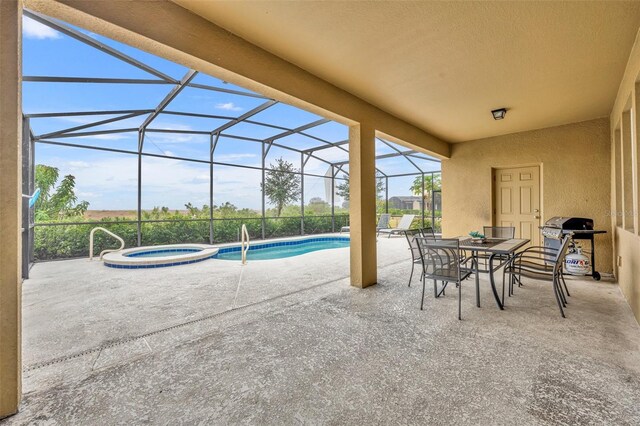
(537,217)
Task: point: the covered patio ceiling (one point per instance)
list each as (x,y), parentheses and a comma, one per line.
(443,66)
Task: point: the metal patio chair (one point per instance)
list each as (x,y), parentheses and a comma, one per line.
(541,252)
(546,252)
(541,260)
(499,232)
(428,232)
(441,261)
(542,264)
(416,256)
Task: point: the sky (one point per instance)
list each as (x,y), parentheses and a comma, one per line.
(108,181)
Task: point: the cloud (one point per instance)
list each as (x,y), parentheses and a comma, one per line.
(80,119)
(203,177)
(230,157)
(167,125)
(78,164)
(36,30)
(229,106)
(108,137)
(110,181)
(86,195)
(167,138)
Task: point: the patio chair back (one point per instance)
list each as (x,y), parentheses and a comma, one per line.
(383,221)
(441,262)
(562,252)
(406,221)
(502,232)
(411,235)
(528,263)
(428,233)
(441,258)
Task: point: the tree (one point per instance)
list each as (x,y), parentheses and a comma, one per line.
(432,182)
(195,212)
(342,188)
(45,179)
(60,202)
(226,210)
(281,184)
(318,206)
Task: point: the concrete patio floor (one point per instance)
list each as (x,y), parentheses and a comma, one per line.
(294,343)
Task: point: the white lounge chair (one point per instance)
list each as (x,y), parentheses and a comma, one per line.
(383,223)
(403,225)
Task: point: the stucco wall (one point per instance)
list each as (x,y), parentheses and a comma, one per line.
(10,206)
(627,242)
(627,246)
(575,174)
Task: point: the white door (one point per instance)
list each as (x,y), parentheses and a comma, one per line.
(517,201)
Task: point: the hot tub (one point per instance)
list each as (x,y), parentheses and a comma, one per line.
(159,256)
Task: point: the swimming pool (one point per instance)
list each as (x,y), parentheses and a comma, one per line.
(183,254)
(283,249)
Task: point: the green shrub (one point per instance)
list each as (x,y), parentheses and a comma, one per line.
(228,230)
(317,225)
(67,241)
(63,241)
(158,233)
(276,227)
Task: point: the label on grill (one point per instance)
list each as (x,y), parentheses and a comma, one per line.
(555,233)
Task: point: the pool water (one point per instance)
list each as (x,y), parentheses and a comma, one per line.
(164,253)
(283,249)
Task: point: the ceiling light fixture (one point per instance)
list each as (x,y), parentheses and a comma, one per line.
(498,114)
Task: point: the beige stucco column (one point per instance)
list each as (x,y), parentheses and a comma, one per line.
(362,205)
(10,205)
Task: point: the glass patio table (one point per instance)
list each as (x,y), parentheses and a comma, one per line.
(500,250)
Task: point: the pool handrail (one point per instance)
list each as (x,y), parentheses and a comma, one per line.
(103,252)
(244,240)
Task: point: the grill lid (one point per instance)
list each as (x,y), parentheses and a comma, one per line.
(574,223)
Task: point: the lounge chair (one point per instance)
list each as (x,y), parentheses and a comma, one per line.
(404,225)
(383,222)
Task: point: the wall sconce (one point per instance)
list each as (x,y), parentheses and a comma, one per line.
(498,114)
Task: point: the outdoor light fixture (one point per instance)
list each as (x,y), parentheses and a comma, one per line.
(498,114)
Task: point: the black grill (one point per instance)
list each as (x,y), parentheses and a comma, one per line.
(581,229)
